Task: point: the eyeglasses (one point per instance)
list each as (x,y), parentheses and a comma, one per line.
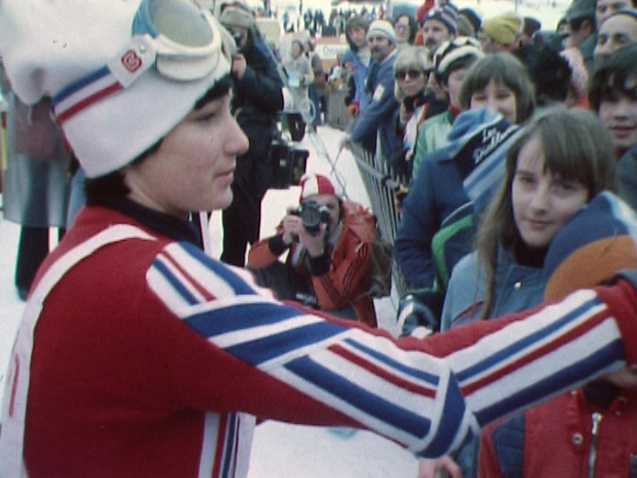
(413,74)
(177,37)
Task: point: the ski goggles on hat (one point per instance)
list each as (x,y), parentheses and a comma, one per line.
(178,38)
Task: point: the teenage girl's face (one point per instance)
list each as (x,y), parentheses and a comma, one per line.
(193,168)
(453,85)
(618,112)
(357,35)
(542,201)
(496,97)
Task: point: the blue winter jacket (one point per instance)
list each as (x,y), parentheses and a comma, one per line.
(379,112)
(438,197)
(360,75)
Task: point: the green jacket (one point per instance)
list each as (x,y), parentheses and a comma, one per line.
(432,135)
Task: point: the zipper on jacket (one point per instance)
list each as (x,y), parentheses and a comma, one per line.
(595,419)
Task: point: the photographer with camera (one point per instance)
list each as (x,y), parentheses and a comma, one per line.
(256,103)
(329,242)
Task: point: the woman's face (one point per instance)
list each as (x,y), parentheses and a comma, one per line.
(411,81)
(357,35)
(496,97)
(453,85)
(401,29)
(193,168)
(542,201)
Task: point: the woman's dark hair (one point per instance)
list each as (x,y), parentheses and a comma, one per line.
(413,26)
(355,21)
(112,185)
(504,69)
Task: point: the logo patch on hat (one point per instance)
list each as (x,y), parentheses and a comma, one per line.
(131,61)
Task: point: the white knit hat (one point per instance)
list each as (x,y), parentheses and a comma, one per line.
(382,28)
(452,50)
(115,94)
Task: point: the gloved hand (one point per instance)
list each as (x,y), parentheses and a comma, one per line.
(353,109)
(415,318)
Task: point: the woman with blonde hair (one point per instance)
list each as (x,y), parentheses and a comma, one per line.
(411,72)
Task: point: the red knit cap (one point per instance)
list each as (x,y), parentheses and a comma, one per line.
(313,184)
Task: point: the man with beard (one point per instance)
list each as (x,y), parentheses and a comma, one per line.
(379,113)
(439,26)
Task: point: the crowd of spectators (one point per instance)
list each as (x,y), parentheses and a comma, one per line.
(513,143)
(470,95)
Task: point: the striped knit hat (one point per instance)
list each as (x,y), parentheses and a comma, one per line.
(313,184)
(452,50)
(121,74)
(599,241)
(446,13)
(478,143)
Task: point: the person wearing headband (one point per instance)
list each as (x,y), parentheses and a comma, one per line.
(140,356)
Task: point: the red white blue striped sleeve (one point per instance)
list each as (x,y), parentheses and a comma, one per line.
(430,404)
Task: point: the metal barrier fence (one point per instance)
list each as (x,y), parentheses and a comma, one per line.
(382,188)
(337,116)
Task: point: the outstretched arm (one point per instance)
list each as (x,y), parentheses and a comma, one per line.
(430,395)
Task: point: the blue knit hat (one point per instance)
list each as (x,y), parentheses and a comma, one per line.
(598,241)
(447,14)
(479,140)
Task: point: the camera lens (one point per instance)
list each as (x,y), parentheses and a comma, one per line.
(311,218)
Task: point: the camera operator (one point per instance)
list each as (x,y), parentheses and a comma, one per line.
(257,100)
(329,242)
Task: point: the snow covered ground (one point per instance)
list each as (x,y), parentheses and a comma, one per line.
(285,450)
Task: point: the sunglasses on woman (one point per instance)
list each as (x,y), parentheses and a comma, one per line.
(413,74)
